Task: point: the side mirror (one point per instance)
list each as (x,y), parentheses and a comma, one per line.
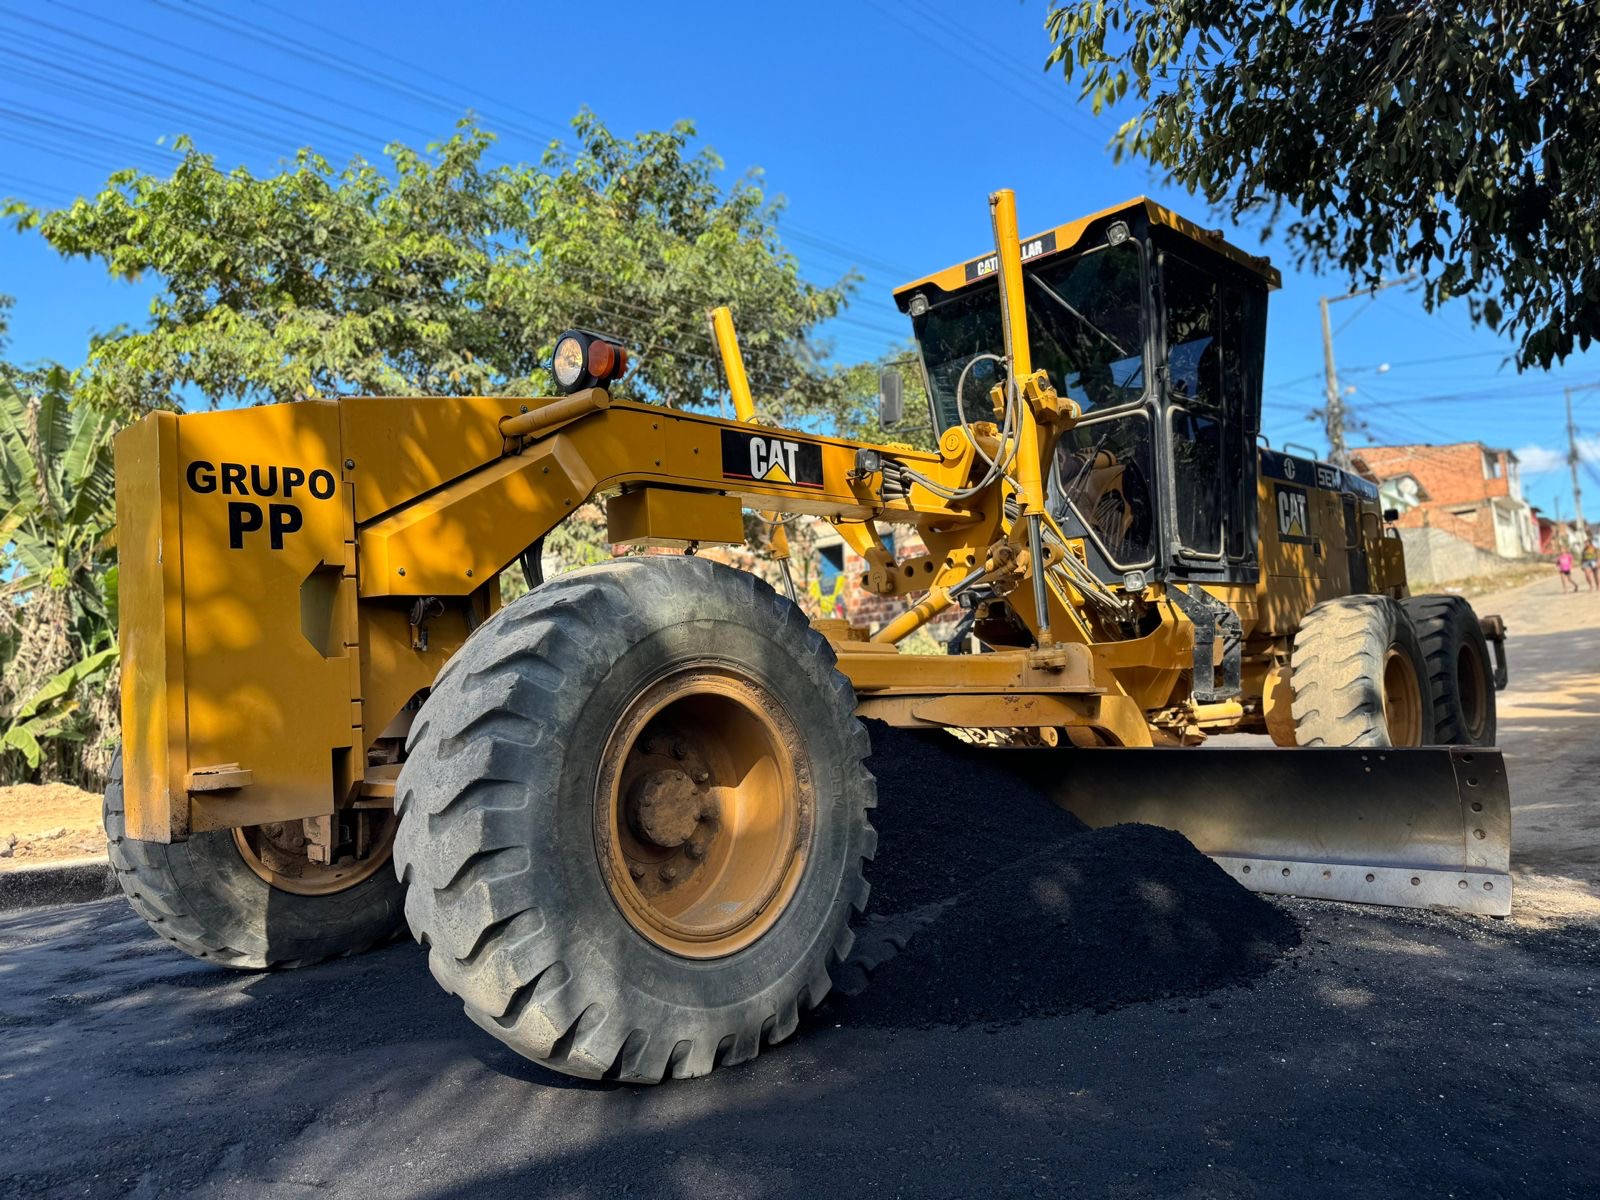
(1391,514)
(891,398)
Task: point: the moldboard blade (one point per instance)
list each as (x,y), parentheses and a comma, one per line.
(1414,828)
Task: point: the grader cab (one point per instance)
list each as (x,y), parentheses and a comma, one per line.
(627,813)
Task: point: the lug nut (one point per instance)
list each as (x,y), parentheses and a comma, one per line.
(668,874)
(680,748)
(702,776)
(636,871)
(695,849)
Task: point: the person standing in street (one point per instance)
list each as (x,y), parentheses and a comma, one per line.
(1564,566)
(1590,558)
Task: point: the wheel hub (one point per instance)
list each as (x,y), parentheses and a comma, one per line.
(666,806)
(702,820)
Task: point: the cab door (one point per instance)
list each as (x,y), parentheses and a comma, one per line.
(1211,381)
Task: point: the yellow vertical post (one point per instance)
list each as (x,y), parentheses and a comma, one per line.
(1030,460)
(744,406)
(1013,312)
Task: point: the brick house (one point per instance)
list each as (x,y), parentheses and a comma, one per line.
(1468,490)
(833,588)
(1555,536)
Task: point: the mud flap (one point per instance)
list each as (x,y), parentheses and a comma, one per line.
(1413,828)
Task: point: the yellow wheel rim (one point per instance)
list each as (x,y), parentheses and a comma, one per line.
(277,853)
(703,812)
(1402,699)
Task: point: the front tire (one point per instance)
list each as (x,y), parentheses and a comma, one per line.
(1359,676)
(633,820)
(204,896)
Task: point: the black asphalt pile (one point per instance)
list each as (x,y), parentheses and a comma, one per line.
(950,813)
(1014,909)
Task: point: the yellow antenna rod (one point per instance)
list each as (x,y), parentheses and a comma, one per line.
(1014,318)
(1030,465)
(744,406)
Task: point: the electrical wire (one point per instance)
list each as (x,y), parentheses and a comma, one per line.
(651,309)
(559,133)
(996,469)
(348,64)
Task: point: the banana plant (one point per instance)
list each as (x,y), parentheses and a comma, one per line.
(57,499)
(51,711)
(58,585)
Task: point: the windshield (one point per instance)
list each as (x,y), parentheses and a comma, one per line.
(1084,328)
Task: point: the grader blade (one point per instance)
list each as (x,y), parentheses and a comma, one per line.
(1409,828)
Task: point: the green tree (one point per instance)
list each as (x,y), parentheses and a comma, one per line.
(58,580)
(441,274)
(1449,139)
(855,409)
(435,273)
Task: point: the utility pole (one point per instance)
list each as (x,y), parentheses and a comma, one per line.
(1572,461)
(1333,419)
(1333,413)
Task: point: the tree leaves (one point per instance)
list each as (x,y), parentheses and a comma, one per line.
(57,498)
(1446,139)
(439,274)
(48,711)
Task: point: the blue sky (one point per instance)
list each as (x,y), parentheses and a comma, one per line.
(884,125)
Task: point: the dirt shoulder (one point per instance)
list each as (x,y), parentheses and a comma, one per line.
(1549,721)
(48,823)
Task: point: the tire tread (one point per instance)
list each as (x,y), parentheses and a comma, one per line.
(508,971)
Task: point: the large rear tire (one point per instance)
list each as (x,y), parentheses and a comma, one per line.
(1359,676)
(205,897)
(633,820)
(1460,674)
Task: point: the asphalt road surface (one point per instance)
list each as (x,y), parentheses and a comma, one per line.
(1389,1054)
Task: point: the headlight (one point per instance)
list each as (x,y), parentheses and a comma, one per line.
(570,362)
(584,360)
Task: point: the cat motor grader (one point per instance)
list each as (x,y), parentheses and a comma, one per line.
(628,813)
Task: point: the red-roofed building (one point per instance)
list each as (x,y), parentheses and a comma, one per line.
(1469,490)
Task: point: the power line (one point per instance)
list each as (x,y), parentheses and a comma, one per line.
(348,65)
(116,98)
(558,133)
(21,183)
(1409,362)
(601,305)
(122,51)
(116,142)
(988,64)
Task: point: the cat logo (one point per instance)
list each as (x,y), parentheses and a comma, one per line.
(1294,515)
(760,456)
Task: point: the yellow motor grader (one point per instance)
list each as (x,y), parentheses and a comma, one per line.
(627,813)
